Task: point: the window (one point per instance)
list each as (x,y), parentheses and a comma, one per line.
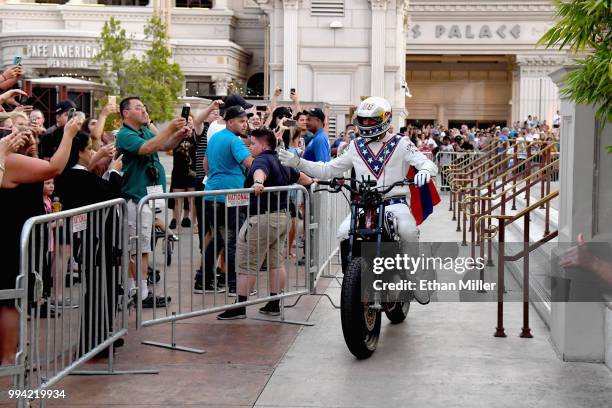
(327,8)
(199,88)
(124,2)
(332,127)
(194,3)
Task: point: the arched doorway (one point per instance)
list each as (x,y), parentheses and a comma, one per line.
(255,85)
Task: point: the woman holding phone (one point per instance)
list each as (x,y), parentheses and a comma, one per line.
(21,190)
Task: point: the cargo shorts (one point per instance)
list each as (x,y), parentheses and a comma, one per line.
(261,237)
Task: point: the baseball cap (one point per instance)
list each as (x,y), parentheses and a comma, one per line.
(234,112)
(235,100)
(317,113)
(64,106)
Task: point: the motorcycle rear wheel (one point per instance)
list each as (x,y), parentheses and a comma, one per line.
(360,324)
(396,312)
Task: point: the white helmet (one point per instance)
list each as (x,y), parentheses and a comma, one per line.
(373,117)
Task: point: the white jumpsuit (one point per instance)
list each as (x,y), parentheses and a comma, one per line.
(386,161)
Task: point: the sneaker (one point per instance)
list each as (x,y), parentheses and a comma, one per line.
(186,223)
(150,276)
(232,293)
(173,238)
(209,288)
(75,277)
(46,311)
(172,224)
(271,308)
(159,301)
(64,303)
(233,314)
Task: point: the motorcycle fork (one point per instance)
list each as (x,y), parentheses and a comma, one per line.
(377,295)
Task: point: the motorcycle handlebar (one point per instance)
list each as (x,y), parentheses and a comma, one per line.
(339,182)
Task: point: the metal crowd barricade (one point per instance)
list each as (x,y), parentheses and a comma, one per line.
(328,211)
(20,297)
(76,262)
(175,290)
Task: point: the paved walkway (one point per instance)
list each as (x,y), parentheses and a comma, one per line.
(443,355)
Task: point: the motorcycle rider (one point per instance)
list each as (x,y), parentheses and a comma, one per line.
(382,156)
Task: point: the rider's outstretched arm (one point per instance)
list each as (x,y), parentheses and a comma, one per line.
(335,168)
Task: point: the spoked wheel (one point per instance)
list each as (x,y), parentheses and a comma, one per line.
(360,324)
(396,312)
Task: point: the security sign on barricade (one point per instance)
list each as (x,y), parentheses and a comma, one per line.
(248,250)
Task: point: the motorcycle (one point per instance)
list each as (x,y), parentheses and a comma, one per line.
(361,319)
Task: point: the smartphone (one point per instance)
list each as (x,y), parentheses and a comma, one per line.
(292,90)
(112,99)
(71,113)
(17,60)
(185,111)
(29,101)
(80,115)
(290,123)
(261,108)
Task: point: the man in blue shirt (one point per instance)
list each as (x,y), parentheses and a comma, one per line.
(228,159)
(318,150)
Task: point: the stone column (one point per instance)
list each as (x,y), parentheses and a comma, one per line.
(377,46)
(516,97)
(577,329)
(538,94)
(290,46)
(220,83)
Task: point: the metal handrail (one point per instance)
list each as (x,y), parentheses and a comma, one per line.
(470,198)
(508,158)
(513,217)
(503,221)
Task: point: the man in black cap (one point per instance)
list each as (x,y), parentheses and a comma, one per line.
(318,149)
(53,136)
(228,102)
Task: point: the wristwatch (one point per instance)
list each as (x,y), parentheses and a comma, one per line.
(258,182)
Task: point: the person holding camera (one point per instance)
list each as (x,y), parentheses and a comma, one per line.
(143,174)
(53,136)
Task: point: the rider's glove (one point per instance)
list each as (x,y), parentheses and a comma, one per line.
(422,177)
(288,159)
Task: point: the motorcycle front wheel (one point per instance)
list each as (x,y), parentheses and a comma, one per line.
(360,323)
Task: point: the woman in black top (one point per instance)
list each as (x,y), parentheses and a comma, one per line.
(20,199)
(78,187)
(183,176)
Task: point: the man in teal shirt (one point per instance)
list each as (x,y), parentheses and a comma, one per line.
(227,157)
(143,174)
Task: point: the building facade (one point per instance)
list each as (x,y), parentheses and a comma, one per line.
(437,61)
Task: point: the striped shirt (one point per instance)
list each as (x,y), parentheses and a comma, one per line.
(201,144)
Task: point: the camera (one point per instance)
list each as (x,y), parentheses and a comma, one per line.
(152,173)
